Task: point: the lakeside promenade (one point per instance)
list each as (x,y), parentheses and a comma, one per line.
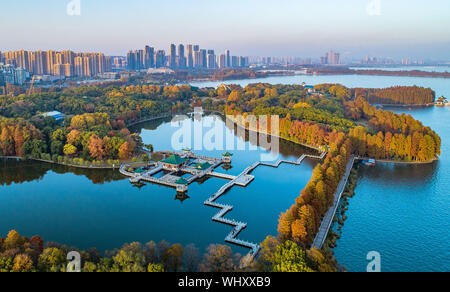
(329,216)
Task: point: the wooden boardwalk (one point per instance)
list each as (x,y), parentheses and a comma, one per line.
(169,179)
(243,180)
(329,216)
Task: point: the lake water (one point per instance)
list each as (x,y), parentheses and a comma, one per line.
(402,212)
(102,209)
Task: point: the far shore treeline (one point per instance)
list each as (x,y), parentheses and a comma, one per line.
(328,116)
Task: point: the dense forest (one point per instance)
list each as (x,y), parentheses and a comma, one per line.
(310,118)
(390,135)
(398,95)
(94,130)
(22,254)
(88,138)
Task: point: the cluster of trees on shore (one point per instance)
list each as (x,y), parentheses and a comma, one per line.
(23,254)
(283,100)
(301,222)
(394,136)
(127,103)
(400,95)
(304,133)
(89,137)
(94,130)
(17,137)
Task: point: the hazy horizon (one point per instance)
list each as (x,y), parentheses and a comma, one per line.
(303,28)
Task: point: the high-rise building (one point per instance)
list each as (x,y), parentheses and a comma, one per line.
(131,58)
(228,58)
(222,61)
(334,58)
(211,59)
(173,56)
(78,71)
(204,58)
(190,56)
(149,59)
(160,59)
(20,76)
(242,62)
(197,59)
(234,61)
(181,61)
(331,58)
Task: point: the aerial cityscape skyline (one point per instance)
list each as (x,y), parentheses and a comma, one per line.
(288,28)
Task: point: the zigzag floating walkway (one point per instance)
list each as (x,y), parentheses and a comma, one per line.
(243,180)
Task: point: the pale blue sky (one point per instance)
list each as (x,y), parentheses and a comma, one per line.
(409,28)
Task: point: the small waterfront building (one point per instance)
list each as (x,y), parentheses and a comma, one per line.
(202,166)
(182,185)
(188,152)
(226,157)
(309,88)
(441,101)
(174,162)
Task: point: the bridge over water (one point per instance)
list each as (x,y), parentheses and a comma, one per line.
(243,180)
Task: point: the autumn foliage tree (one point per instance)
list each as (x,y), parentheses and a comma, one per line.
(97,147)
(125,151)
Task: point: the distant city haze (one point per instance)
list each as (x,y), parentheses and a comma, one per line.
(304,28)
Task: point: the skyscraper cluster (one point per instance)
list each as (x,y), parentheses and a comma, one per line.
(11,75)
(331,58)
(183,57)
(64,63)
